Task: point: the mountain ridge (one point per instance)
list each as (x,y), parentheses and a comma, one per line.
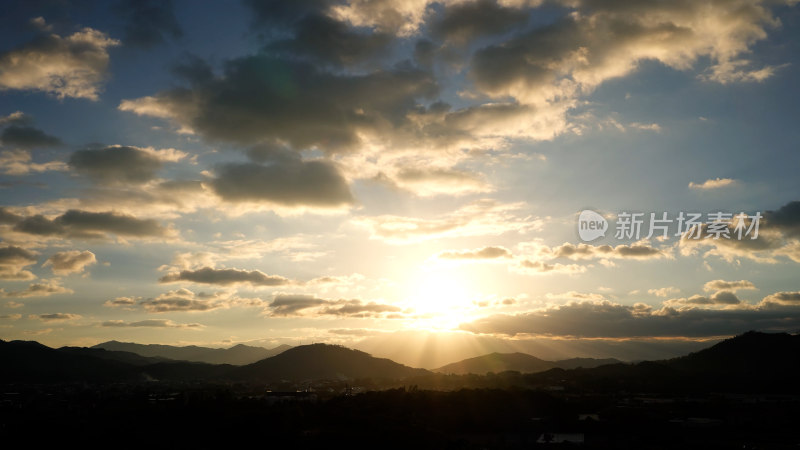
(237,355)
(519,362)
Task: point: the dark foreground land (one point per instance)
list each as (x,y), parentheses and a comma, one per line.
(161,416)
(742,393)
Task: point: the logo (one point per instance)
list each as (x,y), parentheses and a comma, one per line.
(591,225)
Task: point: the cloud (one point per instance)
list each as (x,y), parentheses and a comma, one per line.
(16,118)
(480,218)
(226,277)
(125,302)
(595,42)
(718,298)
(20,162)
(528,267)
(664,292)
(7,217)
(55,317)
(72,261)
(485,253)
(309,305)
(44,288)
(121,164)
(90,225)
(785,219)
(328,40)
(11,316)
(575,295)
(588,251)
(27,137)
(763,249)
(151,323)
(13,260)
(781,298)
(287,183)
(733,286)
(430,181)
(147,22)
(186,300)
(463,22)
(712,184)
(290,305)
(263,99)
(72,66)
(606,319)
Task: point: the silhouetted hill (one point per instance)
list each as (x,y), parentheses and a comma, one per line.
(237,355)
(322,361)
(751,362)
(119,356)
(748,353)
(518,362)
(32,362)
(497,362)
(586,363)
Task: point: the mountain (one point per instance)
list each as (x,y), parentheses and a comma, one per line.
(32,362)
(237,355)
(747,354)
(323,361)
(747,363)
(497,362)
(587,363)
(519,362)
(113,355)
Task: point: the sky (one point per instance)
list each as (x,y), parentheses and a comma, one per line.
(406,177)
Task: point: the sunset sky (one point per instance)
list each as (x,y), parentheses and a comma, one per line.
(391,175)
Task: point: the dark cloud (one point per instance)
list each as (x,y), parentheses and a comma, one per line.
(297,305)
(289,305)
(148,22)
(786,219)
(287,183)
(718,298)
(57,317)
(225,277)
(27,137)
(13,260)
(94,225)
(327,40)
(357,308)
(112,165)
(466,21)
(264,99)
(605,319)
(483,253)
(7,217)
(283,13)
(424,52)
(596,41)
(587,251)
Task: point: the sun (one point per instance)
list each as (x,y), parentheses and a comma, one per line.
(441,298)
